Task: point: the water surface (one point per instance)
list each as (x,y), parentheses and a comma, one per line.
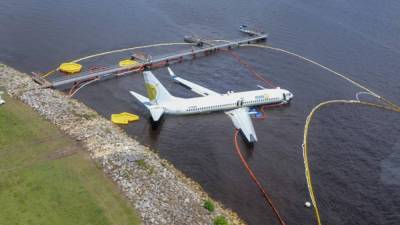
(353,149)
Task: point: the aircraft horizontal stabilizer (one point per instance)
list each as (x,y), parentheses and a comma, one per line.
(156,111)
(141,98)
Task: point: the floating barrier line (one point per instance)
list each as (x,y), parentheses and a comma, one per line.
(250,68)
(149,62)
(305,143)
(265,194)
(391,106)
(83,85)
(129,49)
(362,93)
(49,73)
(117,51)
(328,69)
(267,198)
(315,63)
(74,89)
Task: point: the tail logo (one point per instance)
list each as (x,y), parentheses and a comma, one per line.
(151,91)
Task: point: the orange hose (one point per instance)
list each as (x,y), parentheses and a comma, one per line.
(254,178)
(74,87)
(264,114)
(251,69)
(77,85)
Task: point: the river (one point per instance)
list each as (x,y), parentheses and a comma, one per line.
(354,150)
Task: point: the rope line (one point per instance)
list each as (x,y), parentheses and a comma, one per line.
(305,143)
(49,73)
(80,87)
(328,69)
(254,178)
(129,49)
(250,68)
(116,51)
(391,106)
(315,63)
(362,93)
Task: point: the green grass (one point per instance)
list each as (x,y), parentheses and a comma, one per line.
(142,164)
(209,205)
(220,220)
(38,185)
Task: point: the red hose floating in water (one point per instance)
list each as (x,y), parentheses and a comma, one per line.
(254,178)
(263,117)
(251,69)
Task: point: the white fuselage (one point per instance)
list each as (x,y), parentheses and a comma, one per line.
(223,102)
(235,105)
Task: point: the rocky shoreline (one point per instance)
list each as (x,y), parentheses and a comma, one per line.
(160,193)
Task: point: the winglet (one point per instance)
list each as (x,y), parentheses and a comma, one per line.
(261,87)
(171,73)
(192,86)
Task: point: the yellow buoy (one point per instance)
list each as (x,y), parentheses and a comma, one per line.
(124,118)
(70,68)
(118,119)
(131,117)
(128,62)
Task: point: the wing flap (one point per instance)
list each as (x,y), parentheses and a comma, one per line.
(192,86)
(242,121)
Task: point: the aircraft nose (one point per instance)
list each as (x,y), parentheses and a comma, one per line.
(289,95)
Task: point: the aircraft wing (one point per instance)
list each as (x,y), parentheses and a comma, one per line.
(192,86)
(242,121)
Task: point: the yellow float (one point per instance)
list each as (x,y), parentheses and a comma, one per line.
(128,62)
(124,118)
(70,67)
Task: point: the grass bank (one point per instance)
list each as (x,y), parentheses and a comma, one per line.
(46,178)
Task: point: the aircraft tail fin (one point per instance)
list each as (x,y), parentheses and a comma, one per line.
(156,92)
(156,111)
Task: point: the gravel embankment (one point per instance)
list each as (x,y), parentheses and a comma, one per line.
(159,192)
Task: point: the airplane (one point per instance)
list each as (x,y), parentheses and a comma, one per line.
(235,104)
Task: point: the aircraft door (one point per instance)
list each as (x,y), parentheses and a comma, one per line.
(239,103)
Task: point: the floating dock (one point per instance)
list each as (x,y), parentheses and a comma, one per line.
(150,62)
